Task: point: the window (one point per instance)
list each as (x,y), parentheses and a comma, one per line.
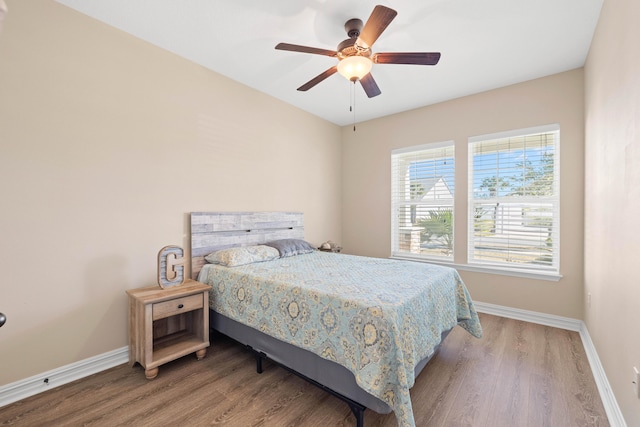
(422,201)
(512,218)
(513,200)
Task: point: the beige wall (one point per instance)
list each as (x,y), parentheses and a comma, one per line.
(367,180)
(106,144)
(612,201)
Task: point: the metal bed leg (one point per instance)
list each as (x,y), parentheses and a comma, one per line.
(259,356)
(358,412)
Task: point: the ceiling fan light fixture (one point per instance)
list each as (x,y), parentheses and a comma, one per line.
(354,67)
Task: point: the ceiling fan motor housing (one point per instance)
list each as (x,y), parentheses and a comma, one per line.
(348,47)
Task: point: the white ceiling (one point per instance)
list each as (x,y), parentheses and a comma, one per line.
(485,44)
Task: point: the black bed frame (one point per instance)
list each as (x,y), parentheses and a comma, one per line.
(356,408)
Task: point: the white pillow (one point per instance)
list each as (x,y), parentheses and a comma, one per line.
(242,255)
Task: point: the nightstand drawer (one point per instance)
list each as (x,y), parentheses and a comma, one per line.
(177,306)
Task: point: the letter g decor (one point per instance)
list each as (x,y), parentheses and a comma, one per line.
(170,266)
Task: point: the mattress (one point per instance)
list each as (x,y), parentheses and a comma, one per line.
(378,318)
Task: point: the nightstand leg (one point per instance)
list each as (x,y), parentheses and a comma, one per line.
(200,354)
(151,373)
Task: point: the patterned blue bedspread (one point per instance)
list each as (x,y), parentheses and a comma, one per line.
(377,317)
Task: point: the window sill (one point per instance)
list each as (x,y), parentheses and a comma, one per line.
(527,274)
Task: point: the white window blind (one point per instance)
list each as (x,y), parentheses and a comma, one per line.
(514,199)
(422,192)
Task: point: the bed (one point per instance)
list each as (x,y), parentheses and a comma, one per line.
(361,328)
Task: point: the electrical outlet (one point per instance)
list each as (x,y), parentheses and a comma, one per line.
(589,300)
(636,381)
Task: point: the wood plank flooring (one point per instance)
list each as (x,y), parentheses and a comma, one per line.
(518,374)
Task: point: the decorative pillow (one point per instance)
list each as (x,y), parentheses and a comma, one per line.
(242,255)
(291,247)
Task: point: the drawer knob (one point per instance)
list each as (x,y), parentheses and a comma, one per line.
(180,305)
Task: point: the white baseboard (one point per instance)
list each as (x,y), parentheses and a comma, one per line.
(606,395)
(28,387)
(530,316)
(46,381)
(608,399)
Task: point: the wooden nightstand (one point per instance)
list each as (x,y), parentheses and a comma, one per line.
(165,324)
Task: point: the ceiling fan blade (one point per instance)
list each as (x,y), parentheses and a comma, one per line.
(380,18)
(305,49)
(370,86)
(414,58)
(317,79)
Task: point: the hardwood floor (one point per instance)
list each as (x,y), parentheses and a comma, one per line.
(518,374)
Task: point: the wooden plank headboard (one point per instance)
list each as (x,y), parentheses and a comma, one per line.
(213,231)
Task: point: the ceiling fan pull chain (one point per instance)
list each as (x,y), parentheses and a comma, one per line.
(354,105)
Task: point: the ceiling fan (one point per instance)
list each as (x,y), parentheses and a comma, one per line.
(355,56)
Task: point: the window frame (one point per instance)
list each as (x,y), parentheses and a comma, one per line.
(553,200)
(396,203)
